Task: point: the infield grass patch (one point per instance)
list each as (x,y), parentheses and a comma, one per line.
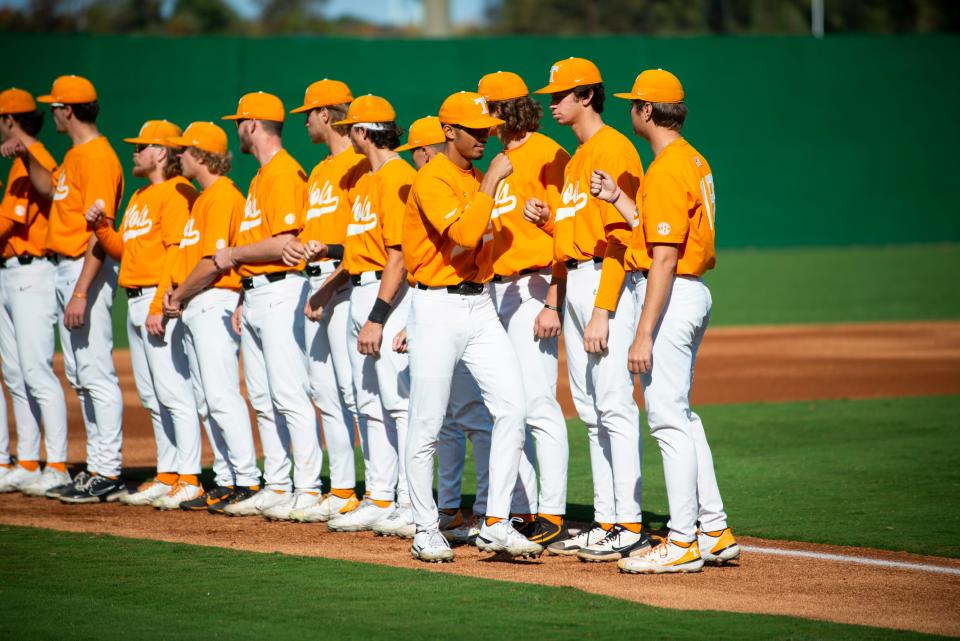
(104,587)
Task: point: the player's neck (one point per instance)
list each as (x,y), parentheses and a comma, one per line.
(588,124)
(660,138)
(81,132)
(155,177)
(337,144)
(512,142)
(265,149)
(450,151)
(206,178)
(378,157)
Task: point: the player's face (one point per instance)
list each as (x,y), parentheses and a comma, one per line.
(356,137)
(188,163)
(59,117)
(470,142)
(145,159)
(6,127)
(419,157)
(314,125)
(565,107)
(639,116)
(244,133)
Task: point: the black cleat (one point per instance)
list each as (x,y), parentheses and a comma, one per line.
(100,489)
(542,531)
(208,498)
(237,494)
(78,483)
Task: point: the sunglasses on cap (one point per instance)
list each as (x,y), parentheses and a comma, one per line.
(139,148)
(482,132)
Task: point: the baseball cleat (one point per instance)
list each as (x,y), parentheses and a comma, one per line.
(79,481)
(146,493)
(450,521)
(501,537)
(327,508)
(297,501)
(430,546)
(400,523)
(179,493)
(617,544)
(361,519)
(236,495)
(543,531)
(208,498)
(718,547)
(668,557)
(18,478)
(570,546)
(100,489)
(5,469)
(465,532)
(256,504)
(51,478)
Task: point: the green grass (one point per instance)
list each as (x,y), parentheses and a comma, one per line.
(59,585)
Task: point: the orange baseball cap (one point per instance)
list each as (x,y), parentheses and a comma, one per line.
(368,108)
(259,106)
(155,132)
(70,90)
(570,73)
(202,135)
(16,101)
(502,85)
(655,85)
(324,93)
(424,131)
(467,109)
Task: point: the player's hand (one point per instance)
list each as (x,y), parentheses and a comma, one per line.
(156,325)
(293,253)
(236,321)
(500,166)
(13,148)
(315,304)
(314,250)
(596,332)
(95,213)
(536,211)
(547,324)
(640,356)
(370,338)
(171,305)
(75,312)
(602,186)
(223,259)
(400,341)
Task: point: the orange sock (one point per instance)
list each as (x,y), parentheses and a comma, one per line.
(683,544)
(632,527)
(62,467)
(167,478)
(6,466)
(343,493)
(493,520)
(190,479)
(556,519)
(715,533)
(380,503)
(606,526)
(30,466)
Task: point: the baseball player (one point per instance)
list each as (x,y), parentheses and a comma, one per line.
(204,300)
(325,219)
(86,280)
(452,319)
(675,241)
(590,238)
(527,292)
(147,246)
(28,309)
(270,312)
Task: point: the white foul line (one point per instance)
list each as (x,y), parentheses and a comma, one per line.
(843,558)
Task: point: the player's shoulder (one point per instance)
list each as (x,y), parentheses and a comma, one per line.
(681,159)
(42,155)
(283,164)
(399,171)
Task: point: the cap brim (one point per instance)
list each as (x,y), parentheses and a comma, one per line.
(47,99)
(626,96)
(177,141)
(302,108)
(233,117)
(345,121)
(141,141)
(481,122)
(408,147)
(554,88)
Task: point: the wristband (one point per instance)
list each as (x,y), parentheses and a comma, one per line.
(381,309)
(615,195)
(551,307)
(79,295)
(335,252)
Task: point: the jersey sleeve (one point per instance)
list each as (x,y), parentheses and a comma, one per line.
(284,206)
(175,212)
(464,224)
(393,204)
(665,208)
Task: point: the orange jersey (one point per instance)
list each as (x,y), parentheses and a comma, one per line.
(274,204)
(25,207)
(212,224)
(378,210)
(585,227)
(152,223)
(677,206)
(445,209)
(538,166)
(90,171)
(329,196)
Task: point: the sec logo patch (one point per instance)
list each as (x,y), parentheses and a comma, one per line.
(663,229)
(221,243)
(289,219)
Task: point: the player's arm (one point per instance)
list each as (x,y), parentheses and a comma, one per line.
(549,321)
(201,277)
(464,225)
(41,176)
(268,250)
(315,304)
(394,273)
(659,285)
(75,312)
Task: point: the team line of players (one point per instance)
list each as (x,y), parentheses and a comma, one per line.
(416,307)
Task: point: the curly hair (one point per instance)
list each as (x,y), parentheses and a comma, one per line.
(599,96)
(172,166)
(338,113)
(388,138)
(521,115)
(219,164)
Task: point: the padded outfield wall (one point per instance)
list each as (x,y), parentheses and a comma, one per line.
(844,141)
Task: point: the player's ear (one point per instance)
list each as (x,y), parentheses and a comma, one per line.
(449,131)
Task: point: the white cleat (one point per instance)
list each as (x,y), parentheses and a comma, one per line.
(4,470)
(361,519)
(502,537)
(146,493)
(51,478)
(17,478)
(585,538)
(297,501)
(466,532)
(256,504)
(430,546)
(719,547)
(179,493)
(668,557)
(328,507)
(400,523)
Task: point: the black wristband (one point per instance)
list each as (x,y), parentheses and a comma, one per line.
(551,307)
(381,309)
(335,252)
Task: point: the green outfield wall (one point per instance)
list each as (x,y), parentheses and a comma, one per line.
(848,140)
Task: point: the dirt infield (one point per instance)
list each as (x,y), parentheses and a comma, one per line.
(816,589)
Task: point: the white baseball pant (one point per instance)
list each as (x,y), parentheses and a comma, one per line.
(167,375)
(444,329)
(382,386)
(88,362)
(278,383)
(213,350)
(519,300)
(31,303)
(692,491)
(602,390)
(331,378)
(27,421)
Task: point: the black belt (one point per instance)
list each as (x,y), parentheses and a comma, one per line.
(573,263)
(247,281)
(26,259)
(465,288)
(355,278)
(498,278)
(314,270)
(56,258)
(136,292)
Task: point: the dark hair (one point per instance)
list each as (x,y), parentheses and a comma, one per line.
(171,166)
(219,164)
(521,115)
(388,138)
(86,111)
(598,96)
(338,113)
(31,122)
(670,115)
(272,126)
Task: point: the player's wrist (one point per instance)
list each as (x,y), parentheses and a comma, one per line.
(552,308)
(380,312)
